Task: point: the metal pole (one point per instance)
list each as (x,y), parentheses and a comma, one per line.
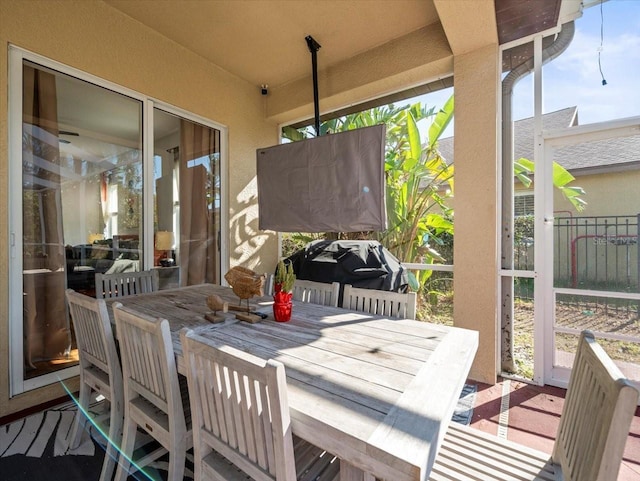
(313,48)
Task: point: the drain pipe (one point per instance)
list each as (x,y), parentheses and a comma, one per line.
(558,46)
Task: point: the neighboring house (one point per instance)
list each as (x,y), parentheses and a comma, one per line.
(600,167)
(596,245)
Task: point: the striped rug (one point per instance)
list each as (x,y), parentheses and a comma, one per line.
(37,447)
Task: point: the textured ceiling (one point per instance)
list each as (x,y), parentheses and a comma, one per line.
(263,42)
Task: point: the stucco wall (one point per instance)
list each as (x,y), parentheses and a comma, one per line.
(612,193)
(416,59)
(604,262)
(475,248)
(99,40)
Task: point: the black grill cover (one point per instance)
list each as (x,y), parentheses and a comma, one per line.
(364,264)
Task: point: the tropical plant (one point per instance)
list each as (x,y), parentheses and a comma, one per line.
(523,169)
(418,180)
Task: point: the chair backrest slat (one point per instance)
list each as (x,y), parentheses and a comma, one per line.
(126,284)
(268,285)
(148,361)
(597,413)
(314,292)
(94,335)
(239,408)
(384,303)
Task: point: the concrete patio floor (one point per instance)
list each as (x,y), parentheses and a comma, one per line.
(533,416)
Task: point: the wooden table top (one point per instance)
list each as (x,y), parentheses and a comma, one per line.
(376,392)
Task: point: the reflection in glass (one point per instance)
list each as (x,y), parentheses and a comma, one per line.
(82,209)
(187,201)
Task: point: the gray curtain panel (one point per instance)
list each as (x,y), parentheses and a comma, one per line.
(46,323)
(333,183)
(198,236)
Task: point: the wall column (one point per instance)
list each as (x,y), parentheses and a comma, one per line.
(476,82)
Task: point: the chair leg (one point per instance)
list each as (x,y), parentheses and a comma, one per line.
(200,451)
(176,464)
(81,417)
(197,462)
(128,441)
(113,443)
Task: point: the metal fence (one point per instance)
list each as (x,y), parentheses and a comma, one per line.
(598,252)
(590,252)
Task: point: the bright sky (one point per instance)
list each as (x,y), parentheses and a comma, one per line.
(574,77)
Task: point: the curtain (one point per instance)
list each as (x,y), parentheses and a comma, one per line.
(41,163)
(198,236)
(46,325)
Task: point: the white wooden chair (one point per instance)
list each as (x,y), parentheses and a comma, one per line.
(597,413)
(268,284)
(100,372)
(316,292)
(154,399)
(386,303)
(242,428)
(126,284)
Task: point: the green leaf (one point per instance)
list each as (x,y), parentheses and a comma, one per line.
(561,176)
(414,137)
(573,191)
(437,221)
(524,165)
(409,164)
(440,122)
(523,168)
(524,179)
(292,134)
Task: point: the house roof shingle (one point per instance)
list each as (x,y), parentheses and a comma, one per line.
(602,154)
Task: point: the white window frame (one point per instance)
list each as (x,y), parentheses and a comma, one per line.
(17,56)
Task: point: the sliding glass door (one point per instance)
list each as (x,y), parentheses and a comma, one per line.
(81,207)
(187,198)
(80,204)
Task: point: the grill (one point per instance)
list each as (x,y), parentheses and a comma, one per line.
(366,264)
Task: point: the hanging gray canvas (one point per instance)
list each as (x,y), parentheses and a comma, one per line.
(333,183)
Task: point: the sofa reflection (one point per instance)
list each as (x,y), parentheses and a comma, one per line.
(109,256)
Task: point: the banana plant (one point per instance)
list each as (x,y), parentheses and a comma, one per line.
(524,168)
(419,182)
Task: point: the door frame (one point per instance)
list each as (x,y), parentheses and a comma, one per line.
(545,293)
(17,55)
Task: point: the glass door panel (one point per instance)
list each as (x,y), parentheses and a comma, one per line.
(81,209)
(596,275)
(186,201)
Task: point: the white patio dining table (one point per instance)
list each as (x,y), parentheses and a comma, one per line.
(376,392)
